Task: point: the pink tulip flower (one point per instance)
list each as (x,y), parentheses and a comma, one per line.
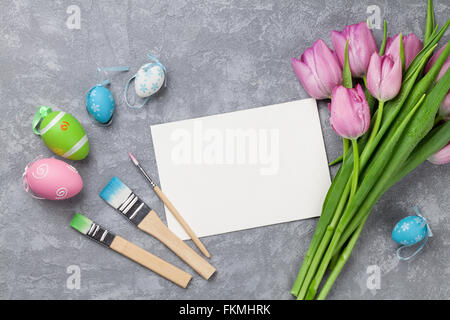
(411,46)
(318,70)
(350,113)
(384,76)
(442,156)
(361,46)
(433,61)
(444,110)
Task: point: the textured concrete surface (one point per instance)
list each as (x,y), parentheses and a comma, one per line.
(221,56)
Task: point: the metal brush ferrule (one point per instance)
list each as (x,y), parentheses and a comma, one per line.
(134,209)
(149,179)
(100,234)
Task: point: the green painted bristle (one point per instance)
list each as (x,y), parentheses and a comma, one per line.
(81,223)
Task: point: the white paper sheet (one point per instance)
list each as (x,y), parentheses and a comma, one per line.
(243,169)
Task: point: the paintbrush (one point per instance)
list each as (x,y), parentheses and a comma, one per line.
(98,233)
(120,197)
(171,207)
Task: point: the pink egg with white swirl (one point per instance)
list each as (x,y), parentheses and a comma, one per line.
(51,179)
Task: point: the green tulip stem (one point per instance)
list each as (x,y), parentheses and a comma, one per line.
(309,287)
(345,146)
(346,252)
(365,80)
(355,174)
(376,126)
(324,242)
(334,261)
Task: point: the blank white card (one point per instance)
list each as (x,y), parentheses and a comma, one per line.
(243,169)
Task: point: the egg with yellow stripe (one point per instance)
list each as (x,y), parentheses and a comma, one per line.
(63,134)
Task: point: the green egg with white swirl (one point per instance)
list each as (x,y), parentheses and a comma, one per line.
(62,133)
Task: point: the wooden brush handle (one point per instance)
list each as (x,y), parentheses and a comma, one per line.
(180,219)
(153,225)
(148,260)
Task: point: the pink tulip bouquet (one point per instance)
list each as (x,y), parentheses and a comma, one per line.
(398,121)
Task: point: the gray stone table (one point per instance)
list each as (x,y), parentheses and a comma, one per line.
(221,56)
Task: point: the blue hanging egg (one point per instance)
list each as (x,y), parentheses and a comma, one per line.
(100,104)
(410,230)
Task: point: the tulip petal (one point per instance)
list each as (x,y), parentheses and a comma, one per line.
(363,46)
(374,75)
(393,47)
(384,76)
(363,109)
(442,156)
(443,69)
(433,59)
(327,67)
(360,48)
(391,78)
(307,79)
(318,70)
(350,113)
(355,53)
(444,110)
(412,46)
(338,39)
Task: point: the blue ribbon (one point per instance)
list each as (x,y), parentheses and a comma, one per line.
(101,69)
(428,234)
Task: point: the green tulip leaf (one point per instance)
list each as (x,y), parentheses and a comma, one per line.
(429,26)
(347,74)
(383,44)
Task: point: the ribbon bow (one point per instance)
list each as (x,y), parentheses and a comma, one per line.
(42,112)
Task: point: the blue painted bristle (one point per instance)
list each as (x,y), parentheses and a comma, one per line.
(115,192)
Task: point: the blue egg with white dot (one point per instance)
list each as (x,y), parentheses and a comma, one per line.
(410,230)
(100,104)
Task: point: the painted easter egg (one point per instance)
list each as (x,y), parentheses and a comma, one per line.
(100,104)
(64,135)
(149,79)
(410,230)
(52,179)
